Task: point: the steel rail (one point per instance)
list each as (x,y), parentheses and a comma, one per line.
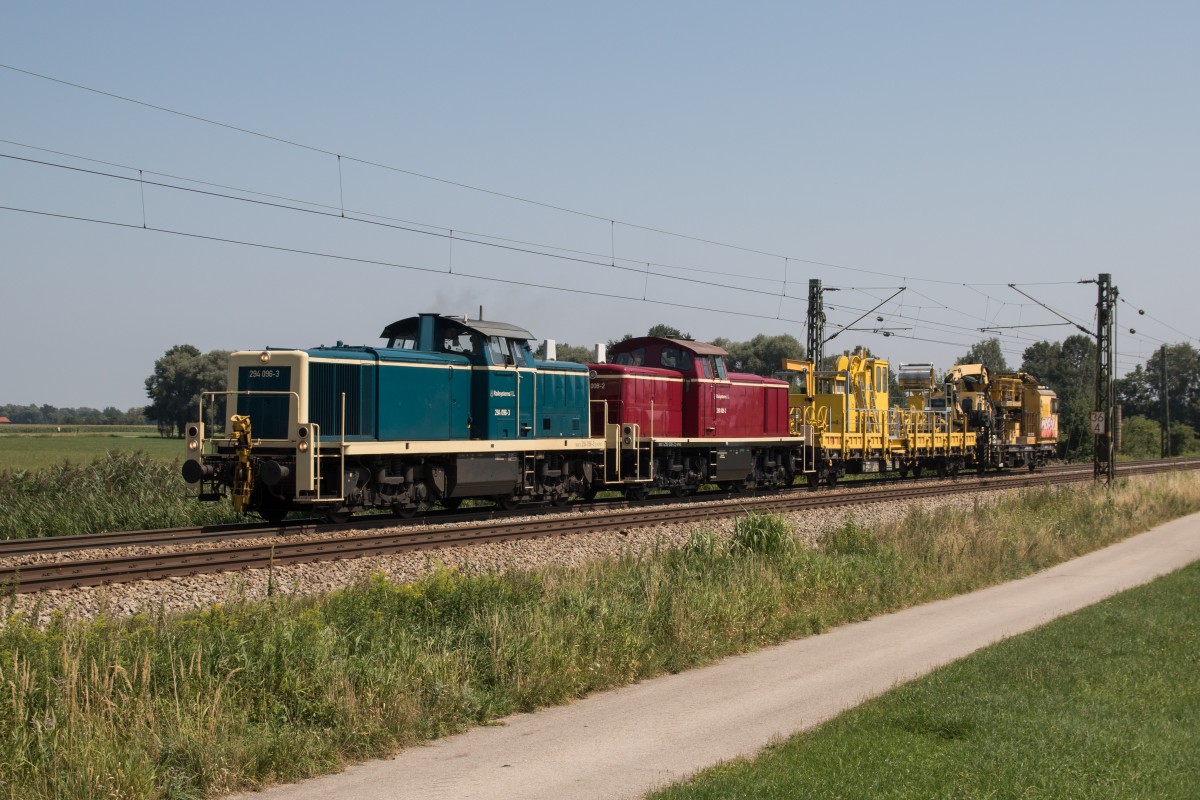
(257,529)
(40,576)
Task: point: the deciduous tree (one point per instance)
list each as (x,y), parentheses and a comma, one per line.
(174,387)
(988,353)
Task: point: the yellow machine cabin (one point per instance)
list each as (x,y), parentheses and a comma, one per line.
(1028,413)
(846,417)
(1015,416)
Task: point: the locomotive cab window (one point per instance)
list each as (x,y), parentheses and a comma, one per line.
(456,339)
(498,349)
(522,353)
(403,342)
(634,358)
(721,373)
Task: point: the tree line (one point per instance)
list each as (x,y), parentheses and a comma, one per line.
(84,415)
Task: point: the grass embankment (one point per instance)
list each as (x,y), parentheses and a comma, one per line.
(32,447)
(253,693)
(116,492)
(1104,703)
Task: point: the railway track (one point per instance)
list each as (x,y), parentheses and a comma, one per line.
(41,576)
(258,529)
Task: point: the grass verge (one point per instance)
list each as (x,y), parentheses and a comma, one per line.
(115,492)
(1103,703)
(252,693)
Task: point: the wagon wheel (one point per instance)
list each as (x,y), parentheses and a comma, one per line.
(451,503)
(404,512)
(813,479)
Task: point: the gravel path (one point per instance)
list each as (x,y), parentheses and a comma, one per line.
(182,594)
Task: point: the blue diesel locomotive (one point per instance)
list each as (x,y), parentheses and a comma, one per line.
(449,408)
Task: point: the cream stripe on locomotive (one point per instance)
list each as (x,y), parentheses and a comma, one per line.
(790,440)
(624,377)
(464,446)
(423,365)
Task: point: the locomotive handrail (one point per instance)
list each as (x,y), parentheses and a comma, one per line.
(245,392)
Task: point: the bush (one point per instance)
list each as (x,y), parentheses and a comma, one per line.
(763,534)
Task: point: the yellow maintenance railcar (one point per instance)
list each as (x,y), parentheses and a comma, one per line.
(849,425)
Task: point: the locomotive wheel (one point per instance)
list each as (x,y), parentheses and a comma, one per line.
(273,509)
(508,502)
(338,515)
(636,493)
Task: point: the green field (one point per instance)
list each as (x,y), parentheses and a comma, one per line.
(26,447)
(1104,703)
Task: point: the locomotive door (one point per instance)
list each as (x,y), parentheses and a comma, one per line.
(526,394)
(503,390)
(714,395)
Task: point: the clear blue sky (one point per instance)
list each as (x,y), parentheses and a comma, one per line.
(967,143)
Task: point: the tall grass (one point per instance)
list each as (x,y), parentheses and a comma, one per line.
(249,693)
(117,491)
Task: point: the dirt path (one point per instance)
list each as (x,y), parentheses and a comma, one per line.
(623,743)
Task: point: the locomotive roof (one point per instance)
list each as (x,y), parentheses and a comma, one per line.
(482,326)
(699,348)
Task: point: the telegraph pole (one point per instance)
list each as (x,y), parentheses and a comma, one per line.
(1103,418)
(816,323)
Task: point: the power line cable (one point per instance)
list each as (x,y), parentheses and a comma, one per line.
(509,196)
(330,214)
(379,262)
(361,213)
